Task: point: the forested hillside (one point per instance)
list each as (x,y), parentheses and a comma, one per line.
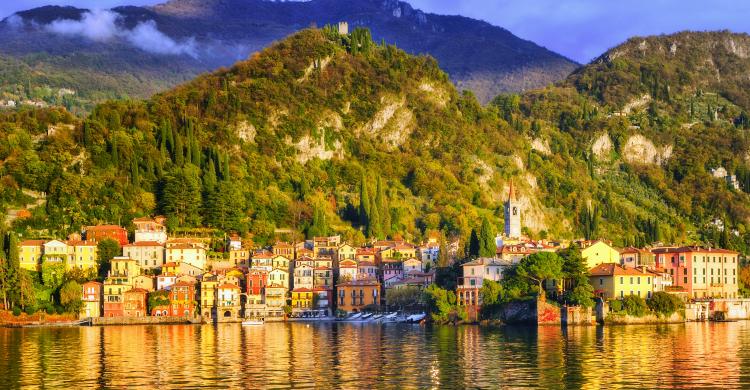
(326,133)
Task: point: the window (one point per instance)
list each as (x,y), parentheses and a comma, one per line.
(601,281)
(685,280)
(622,280)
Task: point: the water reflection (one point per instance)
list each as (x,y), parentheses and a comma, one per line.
(376,356)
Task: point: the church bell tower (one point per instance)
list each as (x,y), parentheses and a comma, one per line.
(512,215)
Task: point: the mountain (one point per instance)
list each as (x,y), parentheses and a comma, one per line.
(136,51)
(323,132)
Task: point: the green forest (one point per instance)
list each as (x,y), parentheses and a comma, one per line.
(325,133)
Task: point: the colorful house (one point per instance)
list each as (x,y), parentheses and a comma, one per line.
(150,230)
(346,252)
(367,270)
(228,301)
(208,295)
(148,254)
(347,270)
(146,282)
(700,272)
(114,298)
(82,255)
(187,253)
(182,300)
(634,258)
(613,281)
(302,299)
(393,271)
(135,303)
(283,249)
(275,300)
(474,274)
(355,295)
(598,252)
(30,254)
(103,232)
(303,276)
(92,299)
(323,277)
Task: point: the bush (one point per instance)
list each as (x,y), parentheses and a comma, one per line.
(615,305)
(30,310)
(635,305)
(16,311)
(665,303)
(59,310)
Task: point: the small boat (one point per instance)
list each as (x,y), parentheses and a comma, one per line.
(253,322)
(391,317)
(416,318)
(354,316)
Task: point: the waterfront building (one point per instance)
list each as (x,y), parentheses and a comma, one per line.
(113,298)
(135,303)
(474,273)
(150,230)
(275,300)
(302,299)
(322,297)
(148,254)
(355,295)
(103,232)
(208,295)
(228,301)
(700,272)
(613,281)
(123,270)
(182,299)
(92,299)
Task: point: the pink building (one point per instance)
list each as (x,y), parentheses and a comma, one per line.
(700,272)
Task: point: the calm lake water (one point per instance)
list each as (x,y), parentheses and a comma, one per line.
(376,356)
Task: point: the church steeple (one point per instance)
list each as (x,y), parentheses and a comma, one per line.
(512,215)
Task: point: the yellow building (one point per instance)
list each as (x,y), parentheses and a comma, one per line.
(598,252)
(239,257)
(82,255)
(612,281)
(302,299)
(123,270)
(346,252)
(208,295)
(30,254)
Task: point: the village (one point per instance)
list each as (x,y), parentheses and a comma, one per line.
(157,275)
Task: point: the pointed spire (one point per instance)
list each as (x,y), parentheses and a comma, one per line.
(510,191)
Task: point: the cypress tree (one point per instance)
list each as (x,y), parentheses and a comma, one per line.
(374,228)
(13,271)
(474,244)
(115,157)
(383,210)
(364,203)
(134,177)
(178,155)
(487,247)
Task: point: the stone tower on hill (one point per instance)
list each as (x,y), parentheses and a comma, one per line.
(512,215)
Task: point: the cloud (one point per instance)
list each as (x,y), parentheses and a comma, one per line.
(101,26)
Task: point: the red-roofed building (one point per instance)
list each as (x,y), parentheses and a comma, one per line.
(613,281)
(700,272)
(103,232)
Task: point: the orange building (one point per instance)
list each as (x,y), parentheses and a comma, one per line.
(355,295)
(134,303)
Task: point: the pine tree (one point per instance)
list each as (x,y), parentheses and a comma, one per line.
(134,176)
(115,155)
(13,272)
(487,247)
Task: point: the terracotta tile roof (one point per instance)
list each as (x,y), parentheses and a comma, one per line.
(347,264)
(612,269)
(104,227)
(144,243)
(688,249)
(80,243)
(229,286)
(302,289)
(183,246)
(360,282)
(32,243)
(366,264)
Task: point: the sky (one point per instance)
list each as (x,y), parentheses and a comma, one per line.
(578,29)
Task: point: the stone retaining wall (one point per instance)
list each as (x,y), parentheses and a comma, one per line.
(143,320)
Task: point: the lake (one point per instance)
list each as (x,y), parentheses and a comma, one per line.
(341,355)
